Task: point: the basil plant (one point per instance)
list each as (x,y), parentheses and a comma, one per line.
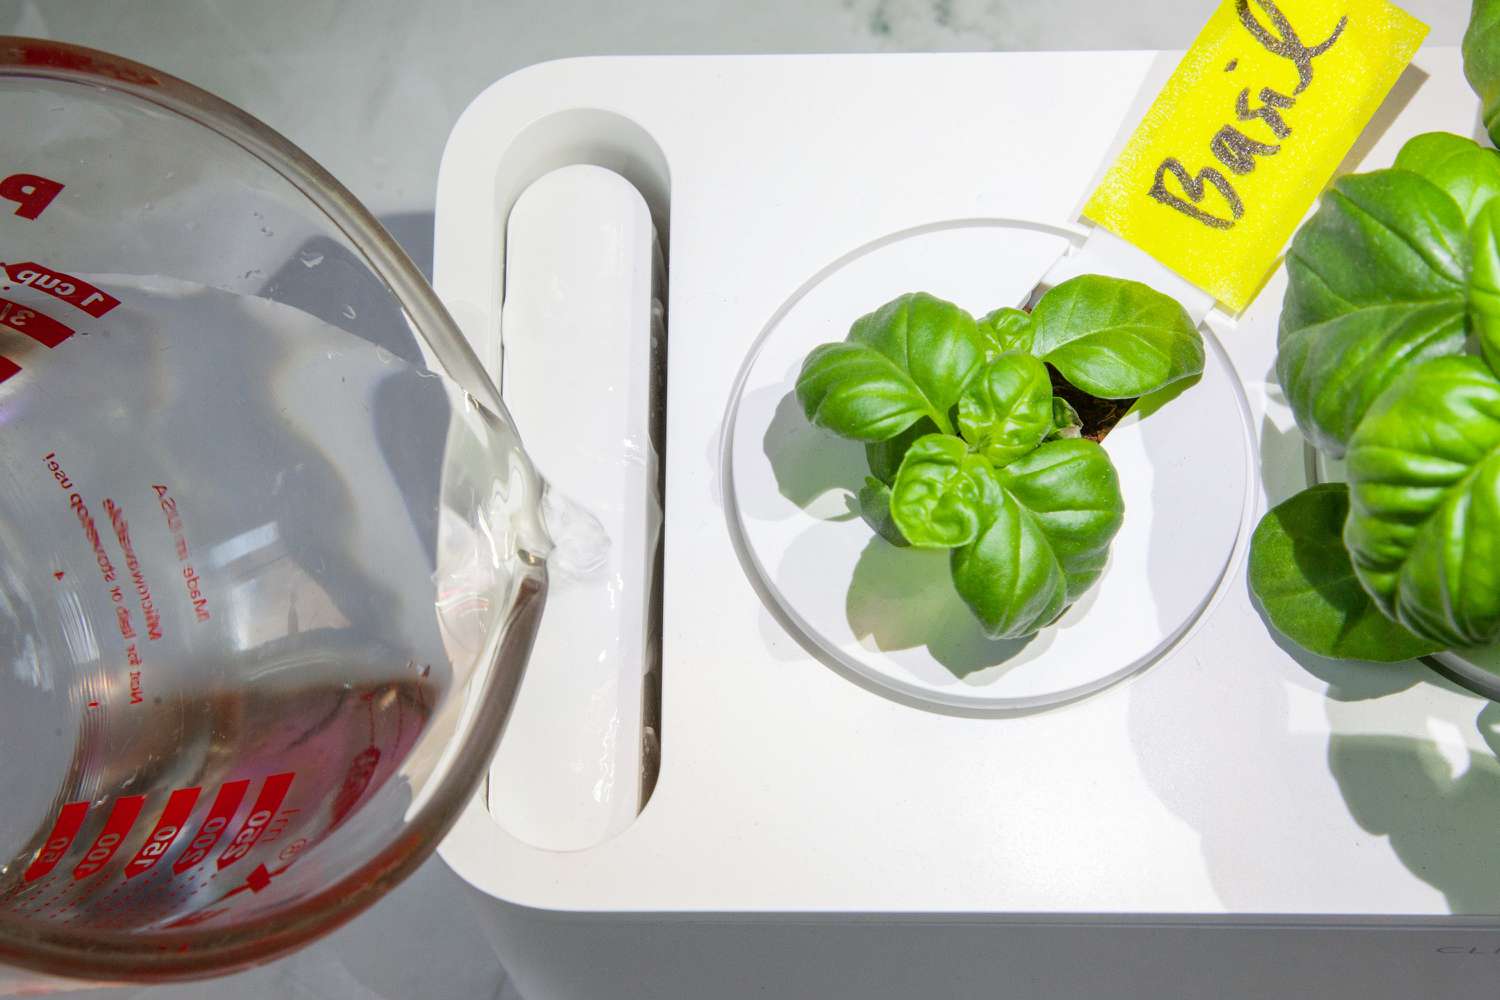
(1388,352)
(970,449)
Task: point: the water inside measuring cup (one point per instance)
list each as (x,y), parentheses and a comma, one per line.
(248,557)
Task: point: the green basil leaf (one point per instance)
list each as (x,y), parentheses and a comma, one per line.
(1009,576)
(1066,423)
(1424,484)
(1377,283)
(1044,542)
(857,392)
(1115,339)
(1467,171)
(1301,575)
(875,508)
(1381,238)
(1071,488)
(909,359)
(884,457)
(1481,49)
(941,493)
(1484,283)
(1006,329)
(1332,371)
(1007,409)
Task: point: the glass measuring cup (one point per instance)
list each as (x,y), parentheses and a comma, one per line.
(270,559)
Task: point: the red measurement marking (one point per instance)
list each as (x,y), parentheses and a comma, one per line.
(356,782)
(179,807)
(93,704)
(8,368)
(121,818)
(90,529)
(226,803)
(149,611)
(64,287)
(59,575)
(272,794)
(191,581)
(69,822)
(32,194)
(258,880)
(43,329)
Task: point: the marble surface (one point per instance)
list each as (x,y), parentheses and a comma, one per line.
(370,88)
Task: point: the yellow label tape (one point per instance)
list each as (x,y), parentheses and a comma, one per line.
(1247,132)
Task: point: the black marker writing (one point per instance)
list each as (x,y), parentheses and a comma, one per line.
(1285,41)
(1272,104)
(1195,188)
(1238,151)
(1230,146)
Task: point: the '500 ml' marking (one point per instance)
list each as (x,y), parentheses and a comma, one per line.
(226,804)
(261,825)
(272,794)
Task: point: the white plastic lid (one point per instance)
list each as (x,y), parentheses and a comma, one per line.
(889,616)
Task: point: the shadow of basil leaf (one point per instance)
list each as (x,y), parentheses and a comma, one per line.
(904,598)
(1350,680)
(808,461)
(1148,404)
(1427,805)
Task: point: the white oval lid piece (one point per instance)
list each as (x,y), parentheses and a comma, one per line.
(889,616)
